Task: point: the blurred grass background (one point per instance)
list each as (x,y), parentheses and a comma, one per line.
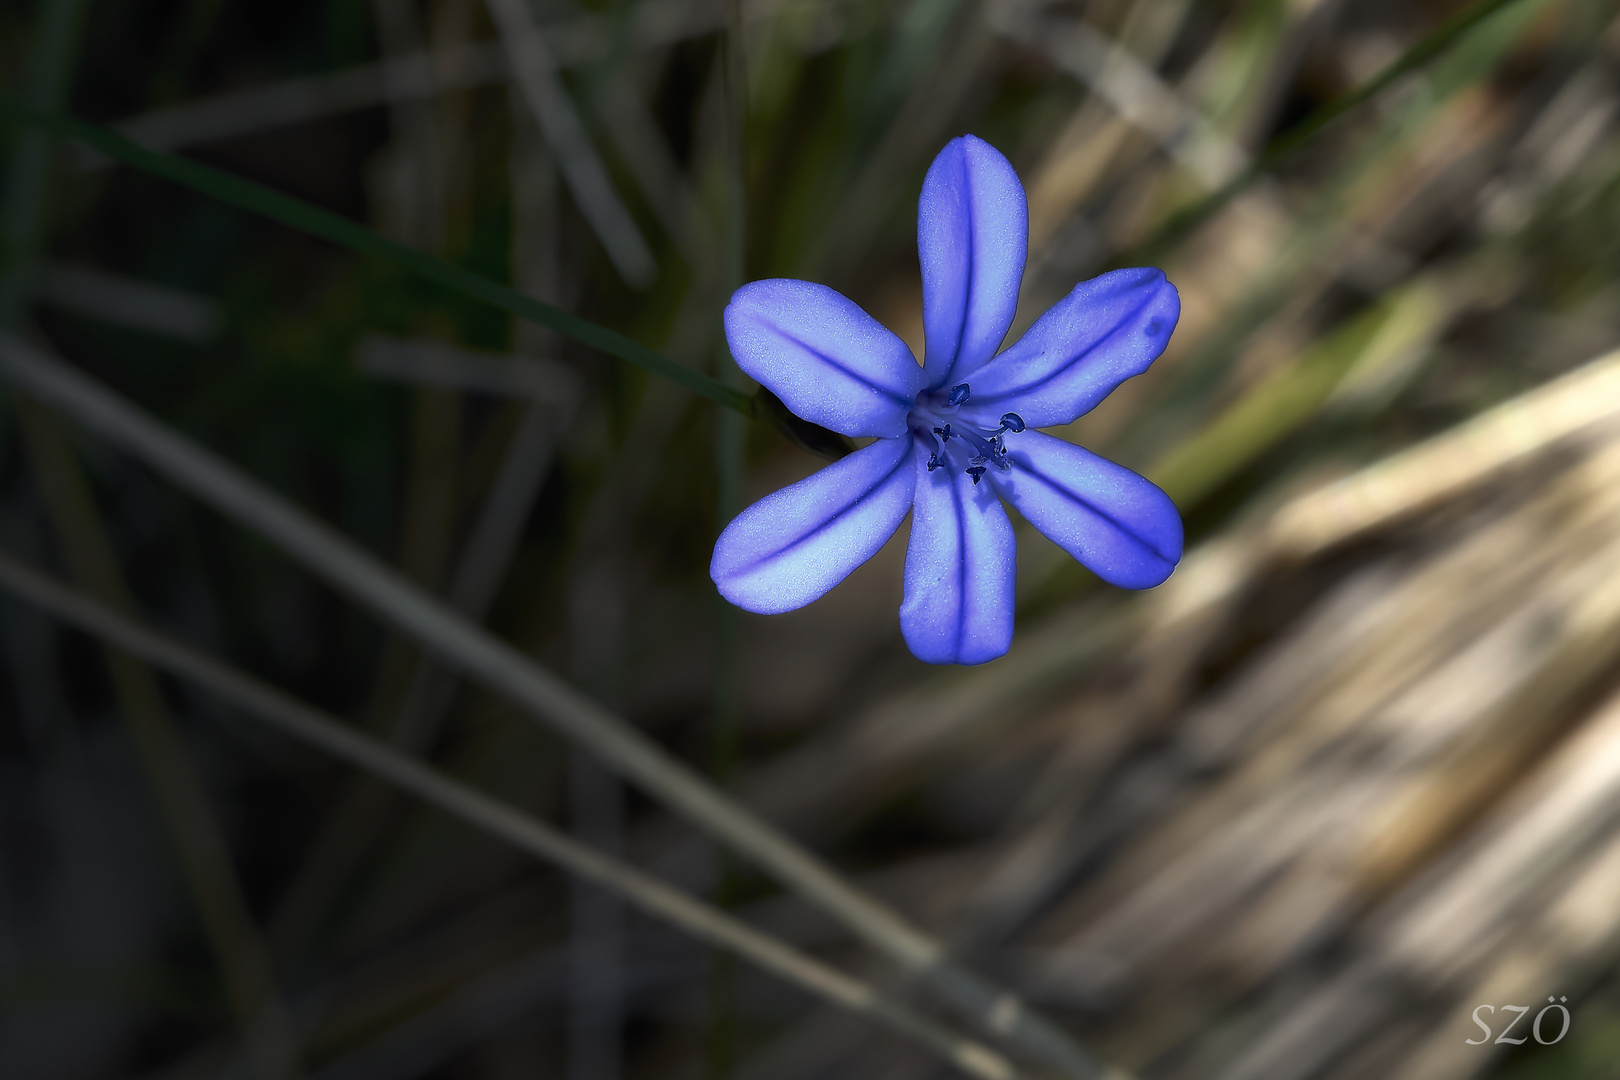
(1295,814)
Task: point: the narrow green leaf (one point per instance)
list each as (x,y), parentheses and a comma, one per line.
(258,199)
(1284,146)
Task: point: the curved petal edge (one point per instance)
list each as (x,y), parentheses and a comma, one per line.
(795,544)
(1119,525)
(961,565)
(826,358)
(972,240)
(1104,332)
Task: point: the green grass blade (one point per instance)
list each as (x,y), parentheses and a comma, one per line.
(1284,146)
(296,214)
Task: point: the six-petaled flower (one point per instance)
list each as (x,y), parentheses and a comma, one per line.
(955,435)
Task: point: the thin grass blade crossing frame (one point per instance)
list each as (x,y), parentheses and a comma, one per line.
(258,199)
(515,827)
(500,667)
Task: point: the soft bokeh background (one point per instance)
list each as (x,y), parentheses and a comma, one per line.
(1354,771)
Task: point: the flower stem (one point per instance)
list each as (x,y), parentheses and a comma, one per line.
(258,199)
(729,438)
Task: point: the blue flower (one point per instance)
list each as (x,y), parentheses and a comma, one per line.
(954,436)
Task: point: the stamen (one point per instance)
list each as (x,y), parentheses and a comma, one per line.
(991,447)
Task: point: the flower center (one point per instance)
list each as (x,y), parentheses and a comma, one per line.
(934,416)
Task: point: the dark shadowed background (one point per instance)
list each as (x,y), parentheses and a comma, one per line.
(1297,814)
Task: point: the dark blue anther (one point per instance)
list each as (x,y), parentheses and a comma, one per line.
(944,433)
(934,462)
(1012,422)
(977,472)
(959,394)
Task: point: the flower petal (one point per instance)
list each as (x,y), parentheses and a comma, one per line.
(1120,526)
(972,236)
(829,361)
(960,567)
(1106,330)
(795,544)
